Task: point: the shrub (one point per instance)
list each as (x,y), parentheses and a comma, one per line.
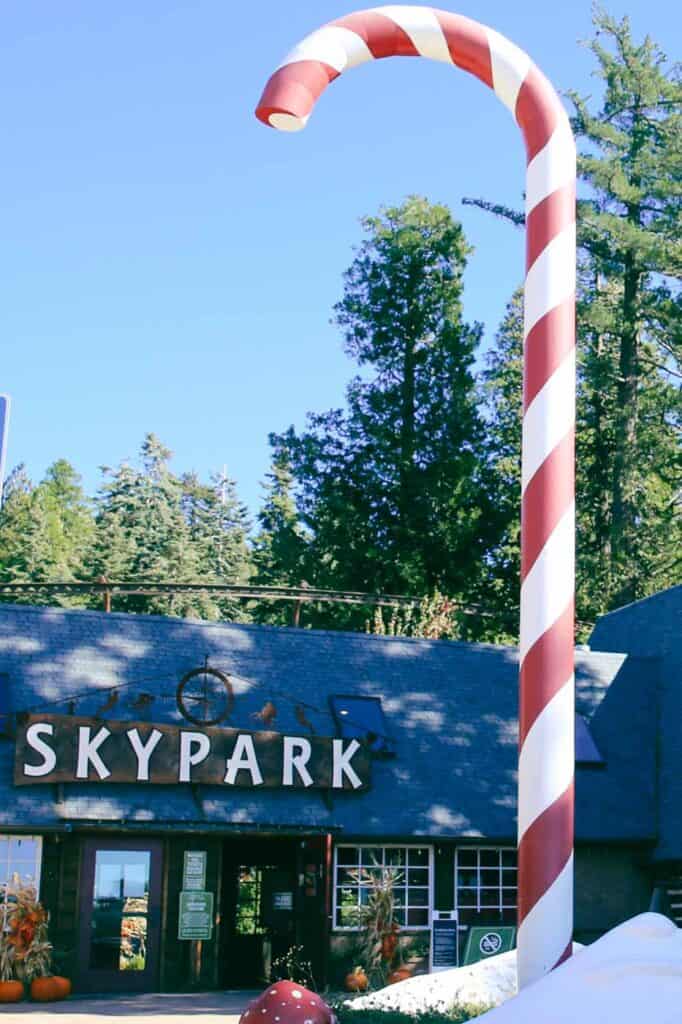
(456,1015)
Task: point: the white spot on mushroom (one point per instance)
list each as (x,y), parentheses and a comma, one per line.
(296,994)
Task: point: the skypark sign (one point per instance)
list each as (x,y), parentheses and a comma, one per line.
(65,748)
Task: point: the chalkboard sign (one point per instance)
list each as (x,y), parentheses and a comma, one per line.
(443,941)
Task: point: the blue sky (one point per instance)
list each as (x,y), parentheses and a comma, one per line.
(169,264)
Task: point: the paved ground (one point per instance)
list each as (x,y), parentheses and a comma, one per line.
(206,1007)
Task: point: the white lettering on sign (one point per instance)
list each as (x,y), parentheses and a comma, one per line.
(88,747)
(190,756)
(243,758)
(33,734)
(143,751)
(342,764)
(296,755)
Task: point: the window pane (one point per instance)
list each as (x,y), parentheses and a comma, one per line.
(395,857)
(466,858)
(418,856)
(467,878)
(509,857)
(418,876)
(23,848)
(347,896)
(490,898)
(371,856)
(490,858)
(508,876)
(347,854)
(400,915)
(490,876)
(347,876)
(133,952)
(399,897)
(345,917)
(417,918)
(418,897)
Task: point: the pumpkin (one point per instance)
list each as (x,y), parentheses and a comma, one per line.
(63,986)
(357,980)
(401,974)
(44,990)
(11,991)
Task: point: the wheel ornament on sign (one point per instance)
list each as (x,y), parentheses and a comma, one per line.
(546,759)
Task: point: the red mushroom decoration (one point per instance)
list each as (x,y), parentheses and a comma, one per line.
(285,1002)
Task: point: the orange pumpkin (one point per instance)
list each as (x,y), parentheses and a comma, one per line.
(357,980)
(401,974)
(11,991)
(44,990)
(63,986)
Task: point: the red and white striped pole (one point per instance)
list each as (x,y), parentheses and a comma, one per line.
(546,758)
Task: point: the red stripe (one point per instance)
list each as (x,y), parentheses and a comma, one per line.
(537,111)
(567,953)
(383,37)
(468,45)
(544,850)
(294,89)
(546,498)
(550,340)
(547,666)
(546,220)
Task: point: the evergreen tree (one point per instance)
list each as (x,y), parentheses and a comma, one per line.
(46,530)
(390,490)
(280,548)
(629,323)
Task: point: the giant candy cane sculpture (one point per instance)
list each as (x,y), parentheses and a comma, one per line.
(546,759)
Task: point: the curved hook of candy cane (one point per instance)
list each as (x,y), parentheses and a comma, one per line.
(546,758)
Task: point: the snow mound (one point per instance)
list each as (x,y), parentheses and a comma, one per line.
(632,975)
(487,983)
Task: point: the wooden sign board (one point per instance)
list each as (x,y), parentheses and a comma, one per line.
(66,748)
(444,941)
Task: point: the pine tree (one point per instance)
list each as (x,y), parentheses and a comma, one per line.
(280,548)
(390,489)
(46,530)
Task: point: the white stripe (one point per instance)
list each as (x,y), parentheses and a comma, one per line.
(548,418)
(548,588)
(547,929)
(551,279)
(509,66)
(423,28)
(553,167)
(547,758)
(333,45)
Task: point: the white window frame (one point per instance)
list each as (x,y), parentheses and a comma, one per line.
(501,889)
(4,868)
(384,846)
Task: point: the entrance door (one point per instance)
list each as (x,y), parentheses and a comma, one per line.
(259,911)
(120,911)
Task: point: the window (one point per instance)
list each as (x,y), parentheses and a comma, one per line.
(362,718)
(485,885)
(355,866)
(20,858)
(249,901)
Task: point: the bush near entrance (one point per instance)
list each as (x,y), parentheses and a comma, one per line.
(455,1015)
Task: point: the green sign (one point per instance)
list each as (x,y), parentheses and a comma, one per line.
(483,942)
(194,870)
(196,915)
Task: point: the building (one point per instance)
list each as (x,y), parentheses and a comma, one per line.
(276,810)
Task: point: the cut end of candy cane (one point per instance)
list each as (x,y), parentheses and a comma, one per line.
(287,122)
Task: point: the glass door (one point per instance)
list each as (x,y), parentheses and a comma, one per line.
(120,916)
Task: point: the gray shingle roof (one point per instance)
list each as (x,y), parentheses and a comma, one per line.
(452,708)
(652,628)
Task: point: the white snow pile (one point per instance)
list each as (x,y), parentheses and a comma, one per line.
(632,975)
(487,983)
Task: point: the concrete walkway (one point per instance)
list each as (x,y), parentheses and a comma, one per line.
(205,1007)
